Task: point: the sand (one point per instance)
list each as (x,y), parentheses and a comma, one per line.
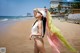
(15,37)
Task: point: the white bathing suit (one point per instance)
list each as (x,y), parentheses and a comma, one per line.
(35,29)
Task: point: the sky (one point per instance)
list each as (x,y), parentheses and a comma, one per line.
(21,7)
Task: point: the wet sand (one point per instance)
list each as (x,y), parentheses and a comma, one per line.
(15,37)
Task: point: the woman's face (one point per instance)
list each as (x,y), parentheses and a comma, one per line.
(37,15)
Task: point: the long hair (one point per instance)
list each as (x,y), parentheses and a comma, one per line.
(34,23)
(43,25)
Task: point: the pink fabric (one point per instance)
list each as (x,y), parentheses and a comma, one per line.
(53,41)
(54,47)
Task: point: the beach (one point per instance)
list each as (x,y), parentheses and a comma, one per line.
(15,36)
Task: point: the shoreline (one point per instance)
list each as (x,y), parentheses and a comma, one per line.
(7,23)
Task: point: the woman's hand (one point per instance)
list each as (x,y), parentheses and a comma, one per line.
(30,36)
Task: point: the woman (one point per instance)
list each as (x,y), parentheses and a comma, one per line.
(38,32)
(54,35)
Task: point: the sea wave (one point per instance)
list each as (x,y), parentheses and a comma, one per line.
(6,19)
(3,19)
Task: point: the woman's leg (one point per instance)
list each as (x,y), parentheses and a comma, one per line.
(40,45)
(36,50)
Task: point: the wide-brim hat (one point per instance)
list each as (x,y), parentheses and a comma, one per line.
(41,10)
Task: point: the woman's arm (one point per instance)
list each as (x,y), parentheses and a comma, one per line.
(40,28)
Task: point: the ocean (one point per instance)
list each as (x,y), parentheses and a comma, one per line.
(13,18)
(6,21)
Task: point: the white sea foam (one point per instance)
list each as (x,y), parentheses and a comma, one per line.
(4,19)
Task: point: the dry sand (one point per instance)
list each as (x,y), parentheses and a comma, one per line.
(16,36)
